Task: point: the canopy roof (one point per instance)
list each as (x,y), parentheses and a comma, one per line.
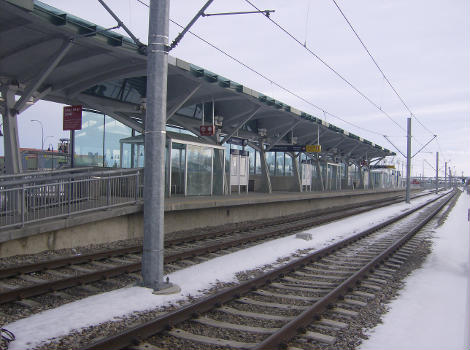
(52,55)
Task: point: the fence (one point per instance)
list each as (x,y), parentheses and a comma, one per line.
(37,197)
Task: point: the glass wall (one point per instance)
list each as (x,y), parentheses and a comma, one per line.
(218,178)
(288,166)
(113,132)
(199,175)
(97,143)
(178,168)
(89,141)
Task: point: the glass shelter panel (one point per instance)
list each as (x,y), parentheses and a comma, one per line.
(113,132)
(279,163)
(199,170)
(218,180)
(178,167)
(89,141)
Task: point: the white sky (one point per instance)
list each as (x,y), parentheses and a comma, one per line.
(422,46)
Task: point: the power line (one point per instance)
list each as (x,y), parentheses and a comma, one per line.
(379,68)
(270,80)
(329,67)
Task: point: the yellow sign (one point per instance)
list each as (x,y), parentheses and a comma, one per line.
(313,148)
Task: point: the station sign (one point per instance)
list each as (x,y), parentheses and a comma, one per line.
(287,148)
(72,119)
(207,130)
(390,166)
(237,141)
(313,148)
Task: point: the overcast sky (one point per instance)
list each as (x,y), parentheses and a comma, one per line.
(421,45)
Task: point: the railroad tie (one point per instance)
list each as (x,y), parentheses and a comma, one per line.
(28,303)
(273,305)
(32,279)
(371,286)
(326,277)
(89,288)
(363,294)
(344,312)
(379,273)
(102,264)
(334,272)
(61,295)
(144,346)
(319,337)
(309,283)
(232,326)
(179,333)
(386,269)
(333,323)
(257,315)
(7,286)
(376,280)
(285,296)
(81,269)
(59,274)
(298,287)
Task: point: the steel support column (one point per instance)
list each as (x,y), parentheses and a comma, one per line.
(265,172)
(445,176)
(408,160)
(298,180)
(437,172)
(319,172)
(155,139)
(11,144)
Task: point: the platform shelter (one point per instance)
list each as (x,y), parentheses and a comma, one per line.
(80,63)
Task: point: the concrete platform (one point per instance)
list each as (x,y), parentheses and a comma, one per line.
(181,213)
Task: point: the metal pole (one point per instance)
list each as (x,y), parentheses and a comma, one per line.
(72,148)
(437,172)
(42,133)
(408,160)
(155,139)
(450,177)
(445,176)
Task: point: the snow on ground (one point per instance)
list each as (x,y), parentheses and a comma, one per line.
(433,311)
(193,280)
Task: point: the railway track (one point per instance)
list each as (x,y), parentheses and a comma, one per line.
(120,266)
(303,304)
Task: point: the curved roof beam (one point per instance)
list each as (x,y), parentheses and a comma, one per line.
(101,75)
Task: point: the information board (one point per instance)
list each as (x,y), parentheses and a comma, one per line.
(72,118)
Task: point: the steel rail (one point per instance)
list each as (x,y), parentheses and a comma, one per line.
(298,324)
(55,285)
(77,259)
(135,334)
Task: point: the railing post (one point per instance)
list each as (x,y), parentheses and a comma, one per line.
(108,191)
(69,196)
(23,206)
(137,186)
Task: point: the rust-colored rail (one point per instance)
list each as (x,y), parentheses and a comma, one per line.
(136,334)
(55,285)
(84,258)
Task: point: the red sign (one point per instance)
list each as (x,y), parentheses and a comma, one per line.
(207,130)
(72,118)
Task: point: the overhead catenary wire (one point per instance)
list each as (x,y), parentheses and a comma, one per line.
(323,110)
(379,68)
(363,95)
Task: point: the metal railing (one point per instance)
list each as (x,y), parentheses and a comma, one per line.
(36,198)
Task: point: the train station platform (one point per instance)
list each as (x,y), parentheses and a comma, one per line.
(181,213)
